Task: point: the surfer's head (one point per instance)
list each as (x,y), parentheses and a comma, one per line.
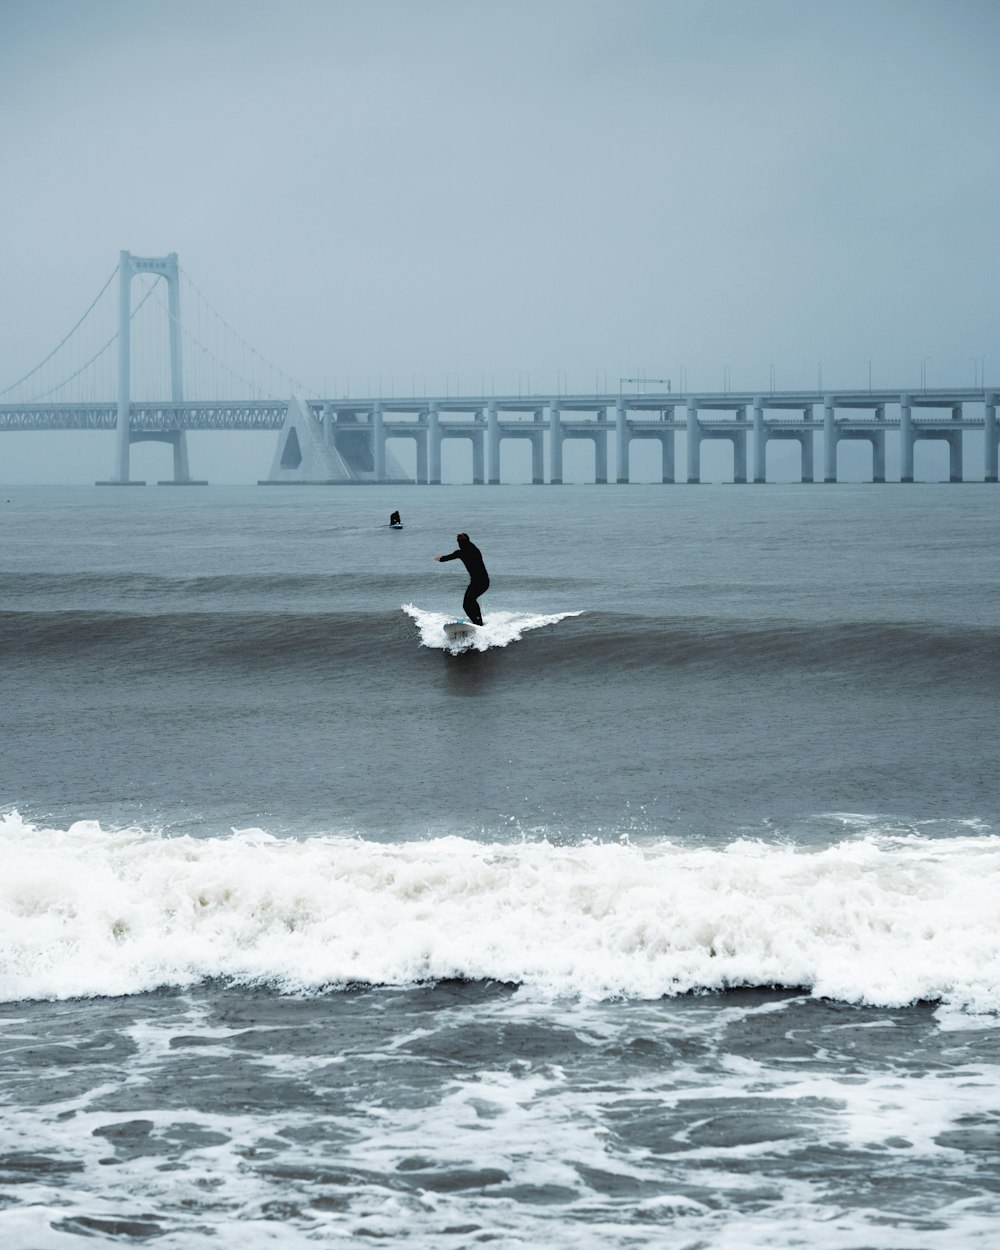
(463,540)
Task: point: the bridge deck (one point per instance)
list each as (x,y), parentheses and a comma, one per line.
(512,410)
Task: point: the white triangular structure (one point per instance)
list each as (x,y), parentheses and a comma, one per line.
(307,453)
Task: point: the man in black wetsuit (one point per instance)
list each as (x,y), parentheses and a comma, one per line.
(479,579)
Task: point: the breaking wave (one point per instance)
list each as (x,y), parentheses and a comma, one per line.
(499,629)
(880,920)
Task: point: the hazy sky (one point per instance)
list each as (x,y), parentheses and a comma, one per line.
(571,189)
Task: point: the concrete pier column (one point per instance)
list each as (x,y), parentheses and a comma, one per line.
(621,443)
(955,456)
(693,445)
(538,458)
(905,440)
(829,440)
(421,441)
(759,444)
(328,425)
(878,456)
(434,446)
(477,458)
(668,454)
(555,445)
(807,465)
(740,457)
(124,367)
(182,472)
(492,445)
(601,457)
(378,443)
(990,430)
(955,446)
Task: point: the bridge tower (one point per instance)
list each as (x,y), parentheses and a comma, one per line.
(165,267)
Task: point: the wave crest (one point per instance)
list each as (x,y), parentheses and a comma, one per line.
(880,921)
(499,629)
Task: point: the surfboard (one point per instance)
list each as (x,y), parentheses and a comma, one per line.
(459,629)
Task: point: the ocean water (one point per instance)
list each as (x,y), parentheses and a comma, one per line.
(665,913)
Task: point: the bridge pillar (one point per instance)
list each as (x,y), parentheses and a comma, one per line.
(990,430)
(434,445)
(164,267)
(807,454)
(693,445)
(621,442)
(328,424)
(182,474)
(807,461)
(477,458)
(740,455)
(878,448)
(830,439)
(759,444)
(421,440)
(538,453)
(601,450)
(555,445)
(905,440)
(492,445)
(378,442)
(122,428)
(668,453)
(955,455)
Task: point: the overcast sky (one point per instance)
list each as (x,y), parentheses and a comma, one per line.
(567,189)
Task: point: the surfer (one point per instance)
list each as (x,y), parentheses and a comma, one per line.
(394,522)
(479,579)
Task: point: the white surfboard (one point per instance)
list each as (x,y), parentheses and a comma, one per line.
(459,629)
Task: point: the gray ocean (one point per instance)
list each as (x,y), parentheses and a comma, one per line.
(666,913)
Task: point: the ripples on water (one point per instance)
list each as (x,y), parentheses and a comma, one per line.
(668,919)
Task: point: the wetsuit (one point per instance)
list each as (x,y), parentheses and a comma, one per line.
(479,579)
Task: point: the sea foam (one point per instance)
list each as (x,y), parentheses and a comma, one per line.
(882,921)
(499,629)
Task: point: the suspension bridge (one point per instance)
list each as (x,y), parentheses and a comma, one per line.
(149,369)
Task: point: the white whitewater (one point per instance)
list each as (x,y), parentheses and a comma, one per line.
(499,629)
(881,920)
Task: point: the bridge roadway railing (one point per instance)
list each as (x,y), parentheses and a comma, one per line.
(747,419)
(148,416)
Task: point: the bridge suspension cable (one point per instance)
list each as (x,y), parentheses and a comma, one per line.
(223,365)
(255,387)
(273,369)
(62,343)
(40,395)
(99,353)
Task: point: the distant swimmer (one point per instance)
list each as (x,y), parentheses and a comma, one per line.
(394,522)
(479,579)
